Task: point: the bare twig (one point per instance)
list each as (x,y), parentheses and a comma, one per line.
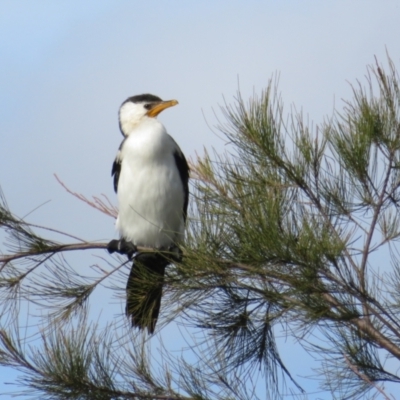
(105,207)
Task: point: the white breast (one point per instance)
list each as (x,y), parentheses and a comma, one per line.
(150,190)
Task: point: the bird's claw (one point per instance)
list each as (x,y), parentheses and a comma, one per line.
(122,247)
(175,253)
(113,246)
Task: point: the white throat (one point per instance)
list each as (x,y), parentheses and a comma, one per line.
(131,115)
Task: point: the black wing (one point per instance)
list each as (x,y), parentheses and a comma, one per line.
(116,170)
(116,167)
(183,169)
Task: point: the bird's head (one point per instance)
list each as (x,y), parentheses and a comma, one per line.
(137,108)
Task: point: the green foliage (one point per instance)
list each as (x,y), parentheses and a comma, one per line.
(294,215)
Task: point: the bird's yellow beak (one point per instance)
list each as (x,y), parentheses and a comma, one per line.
(157,108)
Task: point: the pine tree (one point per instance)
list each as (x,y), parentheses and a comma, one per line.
(294,226)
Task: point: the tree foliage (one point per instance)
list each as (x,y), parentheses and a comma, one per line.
(294,228)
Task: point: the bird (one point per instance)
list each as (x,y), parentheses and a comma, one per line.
(151,179)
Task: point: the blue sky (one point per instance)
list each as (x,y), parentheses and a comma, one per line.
(67,66)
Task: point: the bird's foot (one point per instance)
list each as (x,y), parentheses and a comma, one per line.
(175,253)
(122,247)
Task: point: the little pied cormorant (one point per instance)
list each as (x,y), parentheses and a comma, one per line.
(151,178)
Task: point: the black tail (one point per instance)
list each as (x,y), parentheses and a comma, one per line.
(144,290)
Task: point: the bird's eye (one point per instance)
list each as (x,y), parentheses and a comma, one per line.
(147,106)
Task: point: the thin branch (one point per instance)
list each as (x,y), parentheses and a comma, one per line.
(371,232)
(57,248)
(365,377)
(98,204)
(366,327)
